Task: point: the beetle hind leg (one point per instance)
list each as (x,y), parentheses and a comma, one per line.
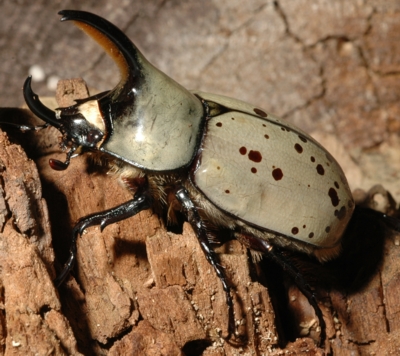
(141,201)
(260,245)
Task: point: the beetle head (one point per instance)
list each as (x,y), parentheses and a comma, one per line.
(77,131)
(148,120)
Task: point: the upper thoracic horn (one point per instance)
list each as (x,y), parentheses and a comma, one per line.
(120,122)
(115,43)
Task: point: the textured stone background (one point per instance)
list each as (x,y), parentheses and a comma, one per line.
(331,67)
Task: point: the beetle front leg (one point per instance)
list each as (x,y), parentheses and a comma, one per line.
(141,201)
(199,228)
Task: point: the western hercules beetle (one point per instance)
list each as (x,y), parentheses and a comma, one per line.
(225,162)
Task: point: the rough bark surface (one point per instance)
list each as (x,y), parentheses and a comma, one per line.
(332,68)
(31,318)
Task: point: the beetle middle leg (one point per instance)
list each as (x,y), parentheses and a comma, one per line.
(141,201)
(195,220)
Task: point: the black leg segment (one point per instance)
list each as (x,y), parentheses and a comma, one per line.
(141,201)
(274,254)
(199,228)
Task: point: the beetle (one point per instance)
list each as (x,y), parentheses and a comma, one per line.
(222,162)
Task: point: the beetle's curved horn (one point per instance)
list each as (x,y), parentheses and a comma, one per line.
(121,122)
(117,45)
(37,107)
(127,114)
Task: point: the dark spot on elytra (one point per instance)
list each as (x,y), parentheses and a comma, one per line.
(302,138)
(334,197)
(311,235)
(304,226)
(340,214)
(320,170)
(233,118)
(295,231)
(243,150)
(255,156)
(312,159)
(264,125)
(327,229)
(336,185)
(266,136)
(298,148)
(219,124)
(227,191)
(283,129)
(218,167)
(277,174)
(253,170)
(260,112)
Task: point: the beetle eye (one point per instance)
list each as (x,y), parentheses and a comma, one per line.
(93,136)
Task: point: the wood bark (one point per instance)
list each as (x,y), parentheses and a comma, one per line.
(332,68)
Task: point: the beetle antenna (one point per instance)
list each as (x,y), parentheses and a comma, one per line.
(24,128)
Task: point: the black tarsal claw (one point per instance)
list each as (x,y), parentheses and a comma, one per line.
(121,212)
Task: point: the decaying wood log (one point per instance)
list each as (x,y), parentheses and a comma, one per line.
(31,320)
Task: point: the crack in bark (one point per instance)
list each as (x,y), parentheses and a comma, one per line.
(312,99)
(284,18)
(214,58)
(382,296)
(225,47)
(358,343)
(307,50)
